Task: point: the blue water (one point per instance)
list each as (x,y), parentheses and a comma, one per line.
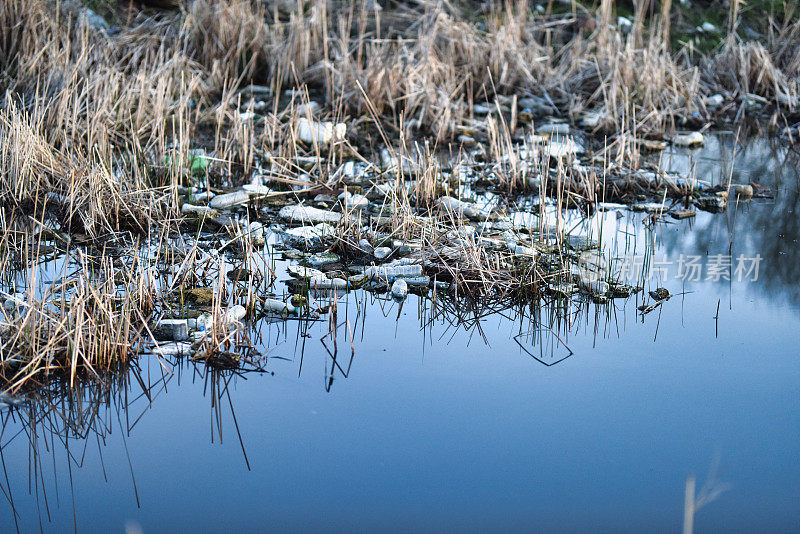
(443,428)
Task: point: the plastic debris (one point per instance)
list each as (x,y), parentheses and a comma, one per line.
(172,329)
(229,200)
(322,133)
(382,253)
(399,289)
(300,213)
(459,207)
(199,211)
(690,139)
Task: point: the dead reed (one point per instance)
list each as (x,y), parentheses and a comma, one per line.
(100,131)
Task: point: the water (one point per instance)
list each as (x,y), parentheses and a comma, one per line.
(448,425)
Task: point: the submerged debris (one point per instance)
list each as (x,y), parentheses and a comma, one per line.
(399,289)
(690,139)
(172,329)
(661,293)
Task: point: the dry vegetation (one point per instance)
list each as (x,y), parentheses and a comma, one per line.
(103,111)
(98,125)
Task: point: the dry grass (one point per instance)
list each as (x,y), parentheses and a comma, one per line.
(153,88)
(98,130)
(428,62)
(750,68)
(88,323)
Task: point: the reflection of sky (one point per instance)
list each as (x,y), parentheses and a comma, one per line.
(768,227)
(448,432)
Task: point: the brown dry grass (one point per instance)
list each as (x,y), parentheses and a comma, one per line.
(97,128)
(89,323)
(131,99)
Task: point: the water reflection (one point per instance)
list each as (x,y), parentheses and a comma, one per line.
(62,423)
(560,412)
(769,227)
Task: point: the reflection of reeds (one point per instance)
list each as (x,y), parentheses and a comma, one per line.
(711,491)
(58,415)
(541,328)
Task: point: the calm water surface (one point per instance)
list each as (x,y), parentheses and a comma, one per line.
(440,426)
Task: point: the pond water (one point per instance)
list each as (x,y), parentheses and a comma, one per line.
(437,416)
